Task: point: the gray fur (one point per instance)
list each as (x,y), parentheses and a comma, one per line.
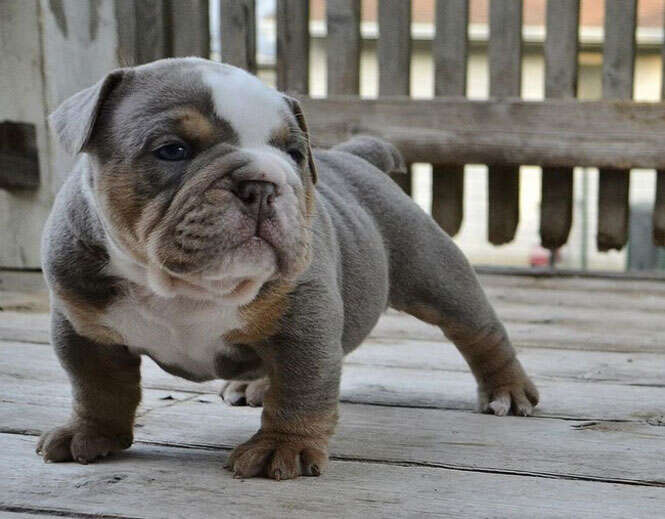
(371,247)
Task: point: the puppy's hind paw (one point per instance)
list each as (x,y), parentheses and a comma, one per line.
(509,391)
(245,393)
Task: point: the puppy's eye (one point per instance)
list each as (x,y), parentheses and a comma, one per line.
(296,155)
(172,152)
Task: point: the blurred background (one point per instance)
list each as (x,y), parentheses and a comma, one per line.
(74,54)
(580,252)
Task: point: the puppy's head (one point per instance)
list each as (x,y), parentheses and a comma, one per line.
(201,173)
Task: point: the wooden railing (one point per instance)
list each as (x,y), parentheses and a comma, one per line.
(448,131)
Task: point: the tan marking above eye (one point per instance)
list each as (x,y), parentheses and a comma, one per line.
(195,125)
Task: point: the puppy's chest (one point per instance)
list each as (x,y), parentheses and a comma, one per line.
(176,332)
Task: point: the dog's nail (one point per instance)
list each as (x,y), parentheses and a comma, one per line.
(82,460)
(237,475)
(277,474)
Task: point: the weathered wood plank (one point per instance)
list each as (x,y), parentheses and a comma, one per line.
(618,71)
(34,80)
(563,313)
(583,366)
(152,35)
(190,28)
(556,206)
(343,47)
(394,57)
(25,327)
(609,451)
(23,280)
(352,489)
(539,333)
(628,451)
(528,328)
(456,391)
(394,47)
(450,55)
(583,285)
(238,32)
(41,374)
(293,46)
(36,361)
(557,132)
(505,63)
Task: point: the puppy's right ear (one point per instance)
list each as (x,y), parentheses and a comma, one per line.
(74,120)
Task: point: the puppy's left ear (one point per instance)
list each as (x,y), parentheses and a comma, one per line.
(302,123)
(74,120)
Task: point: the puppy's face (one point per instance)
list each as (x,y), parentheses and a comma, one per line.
(202,174)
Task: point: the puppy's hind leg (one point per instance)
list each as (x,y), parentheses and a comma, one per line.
(433,281)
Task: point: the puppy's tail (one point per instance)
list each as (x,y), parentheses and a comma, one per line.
(376,151)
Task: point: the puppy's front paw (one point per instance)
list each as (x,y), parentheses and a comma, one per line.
(251,393)
(508,390)
(279,456)
(79,442)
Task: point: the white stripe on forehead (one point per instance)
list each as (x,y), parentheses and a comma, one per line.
(253,109)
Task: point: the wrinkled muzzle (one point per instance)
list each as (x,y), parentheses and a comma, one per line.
(241,218)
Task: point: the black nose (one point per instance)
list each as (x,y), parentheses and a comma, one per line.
(258,197)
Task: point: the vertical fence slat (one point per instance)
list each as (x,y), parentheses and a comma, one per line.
(190,26)
(151,35)
(142,33)
(561,45)
(618,69)
(394,57)
(238,32)
(293,46)
(343,47)
(450,62)
(659,204)
(505,55)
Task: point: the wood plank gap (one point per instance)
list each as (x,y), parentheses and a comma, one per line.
(422,464)
(58,512)
(143,413)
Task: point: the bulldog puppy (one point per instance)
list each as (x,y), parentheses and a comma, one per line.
(200,229)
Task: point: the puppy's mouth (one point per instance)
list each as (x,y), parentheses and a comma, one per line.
(234,276)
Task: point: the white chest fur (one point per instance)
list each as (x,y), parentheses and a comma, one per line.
(178,331)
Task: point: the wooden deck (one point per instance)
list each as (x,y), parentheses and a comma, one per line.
(408,443)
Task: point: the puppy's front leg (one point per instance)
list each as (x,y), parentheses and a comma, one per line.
(106,388)
(299,410)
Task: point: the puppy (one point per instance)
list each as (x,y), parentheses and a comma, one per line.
(199,228)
